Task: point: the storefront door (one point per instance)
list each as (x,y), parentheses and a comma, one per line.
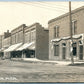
(64,52)
(81,52)
(74,49)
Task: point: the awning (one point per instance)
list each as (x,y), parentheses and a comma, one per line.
(32,47)
(77,36)
(2,49)
(13,47)
(26,45)
(56,40)
(66,38)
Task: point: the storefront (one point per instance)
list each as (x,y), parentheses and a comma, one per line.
(61,48)
(27,50)
(11,51)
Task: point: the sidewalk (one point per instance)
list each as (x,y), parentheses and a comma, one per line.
(50,62)
(34,60)
(46,61)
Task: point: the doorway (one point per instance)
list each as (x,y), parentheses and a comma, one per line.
(63,51)
(81,52)
(74,49)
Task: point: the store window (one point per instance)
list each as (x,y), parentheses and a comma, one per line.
(56,50)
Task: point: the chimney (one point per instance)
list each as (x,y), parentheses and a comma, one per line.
(7,31)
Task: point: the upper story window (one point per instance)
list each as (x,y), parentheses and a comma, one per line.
(56,31)
(20,36)
(33,35)
(28,36)
(74,27)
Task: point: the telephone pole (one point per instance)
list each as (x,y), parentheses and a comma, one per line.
(71,34)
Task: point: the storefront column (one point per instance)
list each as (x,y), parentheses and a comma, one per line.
(51,51)
(22,54)
(60,51)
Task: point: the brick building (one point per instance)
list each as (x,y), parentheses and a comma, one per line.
(16,41)
(5,41)
(35,42)
(59,36)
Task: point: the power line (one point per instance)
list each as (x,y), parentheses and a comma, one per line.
(35,5)
(46,5)
(66,6)
(59,6)
(53,4)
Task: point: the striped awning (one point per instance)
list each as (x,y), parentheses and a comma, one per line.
(13,47)
(27,46)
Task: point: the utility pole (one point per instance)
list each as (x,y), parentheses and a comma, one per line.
(71,34)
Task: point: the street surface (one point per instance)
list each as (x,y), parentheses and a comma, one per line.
(16,71)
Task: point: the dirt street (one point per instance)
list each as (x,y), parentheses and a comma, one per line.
(14,71)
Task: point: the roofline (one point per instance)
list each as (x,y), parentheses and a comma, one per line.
(66,14)
(34,24)
(18,27)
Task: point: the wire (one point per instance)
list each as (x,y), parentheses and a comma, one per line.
(66,6)
(31,3)
(46,5)
(53,3)
(59,6)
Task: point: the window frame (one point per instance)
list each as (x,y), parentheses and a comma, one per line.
(74,27)
(56,31)
(56,50)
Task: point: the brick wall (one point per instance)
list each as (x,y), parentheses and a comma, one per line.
(7,42)
(41,43)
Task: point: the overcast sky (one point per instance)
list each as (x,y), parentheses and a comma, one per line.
(13,14)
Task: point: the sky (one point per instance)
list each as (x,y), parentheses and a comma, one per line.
(13,14)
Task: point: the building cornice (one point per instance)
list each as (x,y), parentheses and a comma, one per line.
(66,14)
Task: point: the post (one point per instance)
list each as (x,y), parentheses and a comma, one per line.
(23,36)
(23,39)
(71,34)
